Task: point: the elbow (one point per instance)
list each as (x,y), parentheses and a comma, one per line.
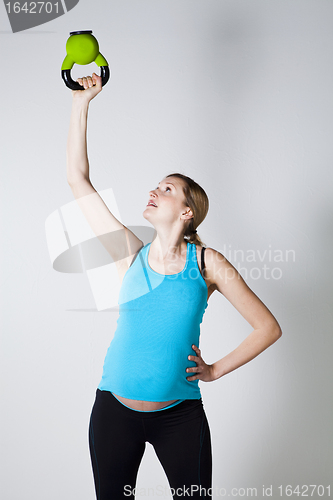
(276,332)
(273,331)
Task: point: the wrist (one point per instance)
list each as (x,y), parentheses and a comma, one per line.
(79,103)
(217,370)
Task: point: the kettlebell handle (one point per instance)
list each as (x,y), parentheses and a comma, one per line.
(66,76)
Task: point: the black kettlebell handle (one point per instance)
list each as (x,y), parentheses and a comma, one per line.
(66,76)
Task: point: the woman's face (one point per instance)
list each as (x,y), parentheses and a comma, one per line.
(166,203)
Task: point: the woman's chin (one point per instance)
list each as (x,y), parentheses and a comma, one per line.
(147,211)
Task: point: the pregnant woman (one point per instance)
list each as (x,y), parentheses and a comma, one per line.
(149,389)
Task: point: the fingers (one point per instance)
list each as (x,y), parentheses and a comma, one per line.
(85,81)
(192,376)
(89,81)
(194,368)
(196,349)
(197,360)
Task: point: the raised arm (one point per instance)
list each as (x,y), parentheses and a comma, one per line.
(119,241)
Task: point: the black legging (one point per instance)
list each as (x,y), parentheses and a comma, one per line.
(180,436)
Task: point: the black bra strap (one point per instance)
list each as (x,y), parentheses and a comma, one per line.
(203,261)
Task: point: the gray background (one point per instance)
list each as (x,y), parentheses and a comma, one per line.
(237,95)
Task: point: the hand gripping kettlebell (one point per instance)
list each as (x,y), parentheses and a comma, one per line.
(82,48)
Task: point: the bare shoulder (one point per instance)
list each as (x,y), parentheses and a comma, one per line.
(219,269)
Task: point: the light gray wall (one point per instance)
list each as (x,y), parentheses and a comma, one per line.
(238,95)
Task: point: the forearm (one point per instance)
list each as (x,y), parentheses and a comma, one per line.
(76,153)
(254,344)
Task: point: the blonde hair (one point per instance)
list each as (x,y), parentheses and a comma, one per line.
(197,200)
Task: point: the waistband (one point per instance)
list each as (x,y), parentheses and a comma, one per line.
(159,409)
(179,406)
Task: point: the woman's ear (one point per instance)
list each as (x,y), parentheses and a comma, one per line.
(187,214)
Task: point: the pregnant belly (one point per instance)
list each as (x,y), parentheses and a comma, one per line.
(135,404)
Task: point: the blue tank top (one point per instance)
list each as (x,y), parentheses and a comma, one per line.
(159,320)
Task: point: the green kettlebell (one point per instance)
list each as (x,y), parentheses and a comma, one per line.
(82,48)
